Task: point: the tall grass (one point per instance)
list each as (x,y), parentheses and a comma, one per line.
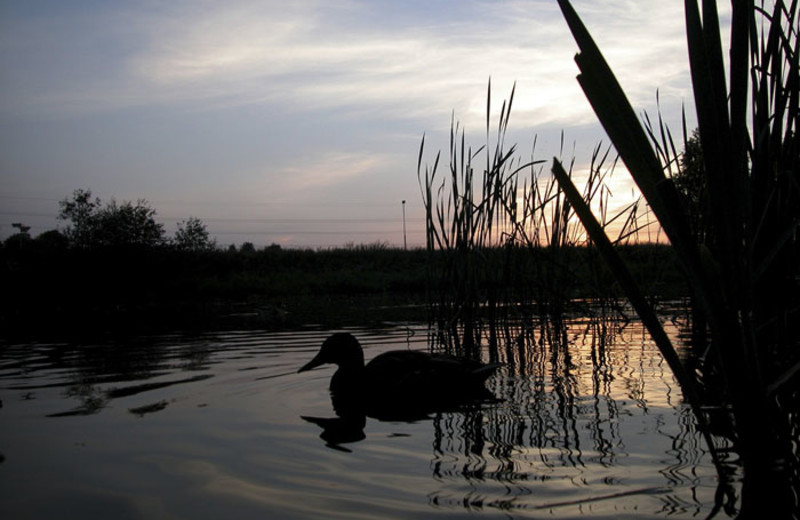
(745,275)
(501,235)
(466,220)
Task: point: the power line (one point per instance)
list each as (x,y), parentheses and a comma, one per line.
(246,220)
(299,220)
(26,214)
(296,232)
(174,202)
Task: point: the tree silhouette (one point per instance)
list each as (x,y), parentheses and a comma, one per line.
(693,187)
(115,224)
(192,235)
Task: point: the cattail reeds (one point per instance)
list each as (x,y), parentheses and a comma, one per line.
(744,268)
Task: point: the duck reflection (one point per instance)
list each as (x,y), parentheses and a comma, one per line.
(400,385)
(340,430)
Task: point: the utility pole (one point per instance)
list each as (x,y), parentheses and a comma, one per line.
(405,241)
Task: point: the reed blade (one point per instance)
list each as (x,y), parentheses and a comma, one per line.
(631,141)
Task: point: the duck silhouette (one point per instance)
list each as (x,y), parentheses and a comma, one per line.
(401,384)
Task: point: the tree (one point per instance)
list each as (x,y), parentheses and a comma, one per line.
(17,241)
(691,184)
(81,211)
(192,235)
(52,240)
(127,224)
(95,225)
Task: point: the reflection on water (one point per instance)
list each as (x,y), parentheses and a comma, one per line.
(340,430)
(585,405)
(588,422)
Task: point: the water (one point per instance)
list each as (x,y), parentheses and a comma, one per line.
(213,426)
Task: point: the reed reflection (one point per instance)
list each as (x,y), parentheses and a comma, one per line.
(576,397)
(578,401)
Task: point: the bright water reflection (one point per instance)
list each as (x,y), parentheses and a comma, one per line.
(587,425)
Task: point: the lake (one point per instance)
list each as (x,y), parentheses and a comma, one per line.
(588,423)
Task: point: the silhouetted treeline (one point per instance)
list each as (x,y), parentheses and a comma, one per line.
(50,287)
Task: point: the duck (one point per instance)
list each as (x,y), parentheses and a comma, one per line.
(399,382)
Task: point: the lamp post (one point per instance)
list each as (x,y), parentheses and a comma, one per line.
(405,241)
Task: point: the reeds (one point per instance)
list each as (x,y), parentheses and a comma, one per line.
(744,273)
(468,217)
(500,233)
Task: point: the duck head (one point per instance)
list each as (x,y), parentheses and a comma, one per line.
(341,349)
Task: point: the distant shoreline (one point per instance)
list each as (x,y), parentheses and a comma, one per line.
(52,293)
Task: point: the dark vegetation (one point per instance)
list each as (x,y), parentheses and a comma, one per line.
(741,258)
(51,287)
(54,288)
(112,269)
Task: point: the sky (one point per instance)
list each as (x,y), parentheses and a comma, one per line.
(299,123)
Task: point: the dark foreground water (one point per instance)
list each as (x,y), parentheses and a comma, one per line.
(216,426)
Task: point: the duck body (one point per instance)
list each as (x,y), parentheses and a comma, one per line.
(401,382)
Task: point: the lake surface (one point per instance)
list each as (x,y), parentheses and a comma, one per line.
(589,423)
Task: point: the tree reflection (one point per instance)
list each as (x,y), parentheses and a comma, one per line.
(96,374)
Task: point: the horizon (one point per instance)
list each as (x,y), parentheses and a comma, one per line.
(301,126)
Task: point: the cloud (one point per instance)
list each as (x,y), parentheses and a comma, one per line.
(327,169)
(314,56)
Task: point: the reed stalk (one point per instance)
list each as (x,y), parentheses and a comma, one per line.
(745,275)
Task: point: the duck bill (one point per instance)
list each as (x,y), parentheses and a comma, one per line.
(314,363)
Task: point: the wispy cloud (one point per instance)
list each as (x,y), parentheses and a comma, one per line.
(313,56)
(327,169)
